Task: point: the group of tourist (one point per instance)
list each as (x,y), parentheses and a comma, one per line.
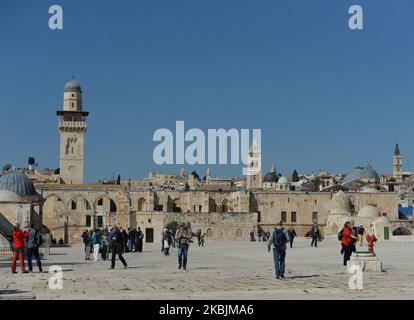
(27,240)
(116,241)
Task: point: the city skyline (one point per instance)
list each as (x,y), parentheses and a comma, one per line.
(218,66)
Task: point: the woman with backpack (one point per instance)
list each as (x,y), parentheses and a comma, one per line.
(346,236)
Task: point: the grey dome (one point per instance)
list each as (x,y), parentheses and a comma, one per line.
(361,173)
(270,177)
(18,183)
(73,86)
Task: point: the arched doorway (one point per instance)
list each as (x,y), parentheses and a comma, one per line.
(401,231)
(209,233)
(142,204)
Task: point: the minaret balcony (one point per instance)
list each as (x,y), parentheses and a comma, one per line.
(76,125)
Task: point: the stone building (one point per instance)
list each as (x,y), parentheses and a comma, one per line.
(223,208)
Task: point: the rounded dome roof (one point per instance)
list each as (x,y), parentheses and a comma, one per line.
(369,211)
(73,86)
(270,177)
(17,182)
(283,180)
(361,173)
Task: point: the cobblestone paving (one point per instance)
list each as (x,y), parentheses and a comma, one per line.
(232,270)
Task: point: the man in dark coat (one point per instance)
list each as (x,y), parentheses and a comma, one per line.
(140,239)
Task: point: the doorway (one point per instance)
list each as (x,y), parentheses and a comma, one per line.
(149,235)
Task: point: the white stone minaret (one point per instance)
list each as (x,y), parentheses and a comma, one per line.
(254,168)
(397,164)
(72,128)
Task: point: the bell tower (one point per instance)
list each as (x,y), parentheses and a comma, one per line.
(254,167)
(397,164)
(72,128)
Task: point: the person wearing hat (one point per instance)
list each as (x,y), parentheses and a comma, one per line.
(279,238)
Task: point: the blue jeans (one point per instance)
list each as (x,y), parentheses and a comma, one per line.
(182,255)
(279,256)
(129,245)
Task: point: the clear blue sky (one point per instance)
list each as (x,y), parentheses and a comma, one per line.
(324,96)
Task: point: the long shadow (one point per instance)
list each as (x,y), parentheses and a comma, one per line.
(304,277)
(12,291)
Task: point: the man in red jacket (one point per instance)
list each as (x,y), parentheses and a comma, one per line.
(19,237)
(346,242)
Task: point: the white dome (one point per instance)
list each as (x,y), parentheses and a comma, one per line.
(283,180)
(369,211)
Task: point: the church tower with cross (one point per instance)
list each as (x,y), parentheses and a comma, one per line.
(397,164)
(72,128)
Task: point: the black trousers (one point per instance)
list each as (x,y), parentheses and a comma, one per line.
(117,250)
(35,252)
(139,245)
(347,253)
(314,241)
(104,252)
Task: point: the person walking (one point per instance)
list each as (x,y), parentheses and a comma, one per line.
(133,239)
(292,235)
(198,235)
(140,239)
(96,243)
(33,243)
(184,240)
(104,244)
(167,242)
(203,239)
(361,233)
(19,237)
(315,234)
(345,236)
(87,240)
(124,240)
(279,238)
(117,246)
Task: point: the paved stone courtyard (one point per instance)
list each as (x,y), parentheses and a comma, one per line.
(221,270)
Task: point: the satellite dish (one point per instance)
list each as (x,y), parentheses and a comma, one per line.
(7,167)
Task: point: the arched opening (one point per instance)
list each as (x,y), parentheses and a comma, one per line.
(225,205)
(56,217)
(142,204)
(239,233)
(176,205)
(106,210)
(401,231)
(209,233)
(212,205)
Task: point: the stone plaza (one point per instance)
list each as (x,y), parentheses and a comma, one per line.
(221,270)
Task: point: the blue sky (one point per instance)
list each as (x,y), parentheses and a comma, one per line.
(325,97)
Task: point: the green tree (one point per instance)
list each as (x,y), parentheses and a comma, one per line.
(295,176)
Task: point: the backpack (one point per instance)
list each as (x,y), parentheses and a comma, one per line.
(279,238)
(340,235)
